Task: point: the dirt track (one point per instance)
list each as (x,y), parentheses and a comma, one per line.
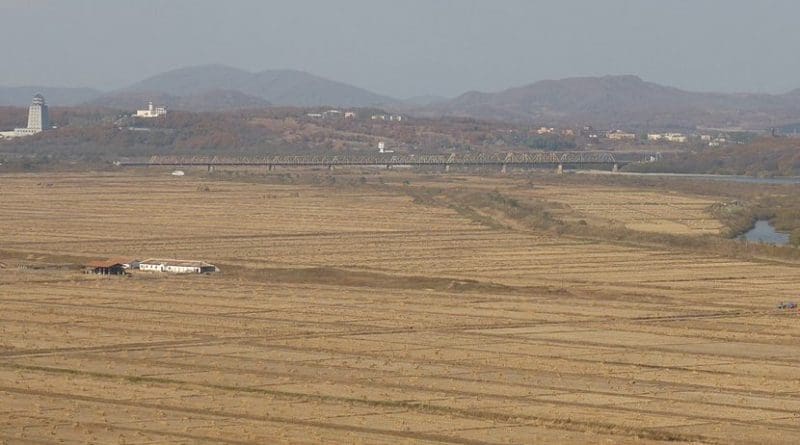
(354,315)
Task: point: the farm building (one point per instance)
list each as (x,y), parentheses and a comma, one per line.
(176,266)
(106,267)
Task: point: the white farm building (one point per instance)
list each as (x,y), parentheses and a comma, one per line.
(176,266)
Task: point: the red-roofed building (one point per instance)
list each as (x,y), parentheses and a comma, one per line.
(113,266)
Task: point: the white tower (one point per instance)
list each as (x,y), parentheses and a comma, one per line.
(38,116)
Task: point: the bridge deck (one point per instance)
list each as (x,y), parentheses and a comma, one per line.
(469,159)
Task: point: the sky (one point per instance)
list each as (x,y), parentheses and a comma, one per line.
(407,48)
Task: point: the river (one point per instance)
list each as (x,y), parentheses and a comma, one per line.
(764,233)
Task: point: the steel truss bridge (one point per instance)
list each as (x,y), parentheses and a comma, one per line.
(388,160)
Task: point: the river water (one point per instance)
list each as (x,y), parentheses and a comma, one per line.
(764,233)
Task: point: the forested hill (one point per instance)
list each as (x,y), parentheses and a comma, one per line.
(764,157)
(278,87)
(623,102)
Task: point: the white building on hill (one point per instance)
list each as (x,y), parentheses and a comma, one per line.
(152,111)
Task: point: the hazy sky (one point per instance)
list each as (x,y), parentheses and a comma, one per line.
(406,48)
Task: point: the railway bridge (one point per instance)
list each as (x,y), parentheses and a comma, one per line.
(501,160)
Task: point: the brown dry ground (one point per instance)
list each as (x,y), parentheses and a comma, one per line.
(356,315)
(647,211)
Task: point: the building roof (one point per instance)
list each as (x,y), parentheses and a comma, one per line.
(173,262)
(111,262)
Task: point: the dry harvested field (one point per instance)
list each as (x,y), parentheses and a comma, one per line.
(357,315)
(647,211)
(642,210)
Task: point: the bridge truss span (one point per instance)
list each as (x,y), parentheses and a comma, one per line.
(538,158)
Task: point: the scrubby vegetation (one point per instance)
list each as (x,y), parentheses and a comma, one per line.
(552,142)
(87,134)
(498,209)
(763,157)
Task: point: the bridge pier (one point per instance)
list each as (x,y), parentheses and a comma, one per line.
(330,167)
(269,167)
(560,169)
(615,168)
(210,168)
(504,168)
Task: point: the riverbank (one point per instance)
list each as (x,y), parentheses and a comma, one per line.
(787,180)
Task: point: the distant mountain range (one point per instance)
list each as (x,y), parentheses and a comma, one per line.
(210,100)
(276,87)
(622,102)
(211,87)
(626,102)
(424,101)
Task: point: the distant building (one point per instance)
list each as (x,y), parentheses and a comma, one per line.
(717,142)
(705,137)
(590,133)
(545,130)
(619,135)
(350,115)
(176,266)
(152,111)
(38,114)
(675,137)
(314,115)
(390,117)
(382,148)
(113,266)
(38,120)
(669,137)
